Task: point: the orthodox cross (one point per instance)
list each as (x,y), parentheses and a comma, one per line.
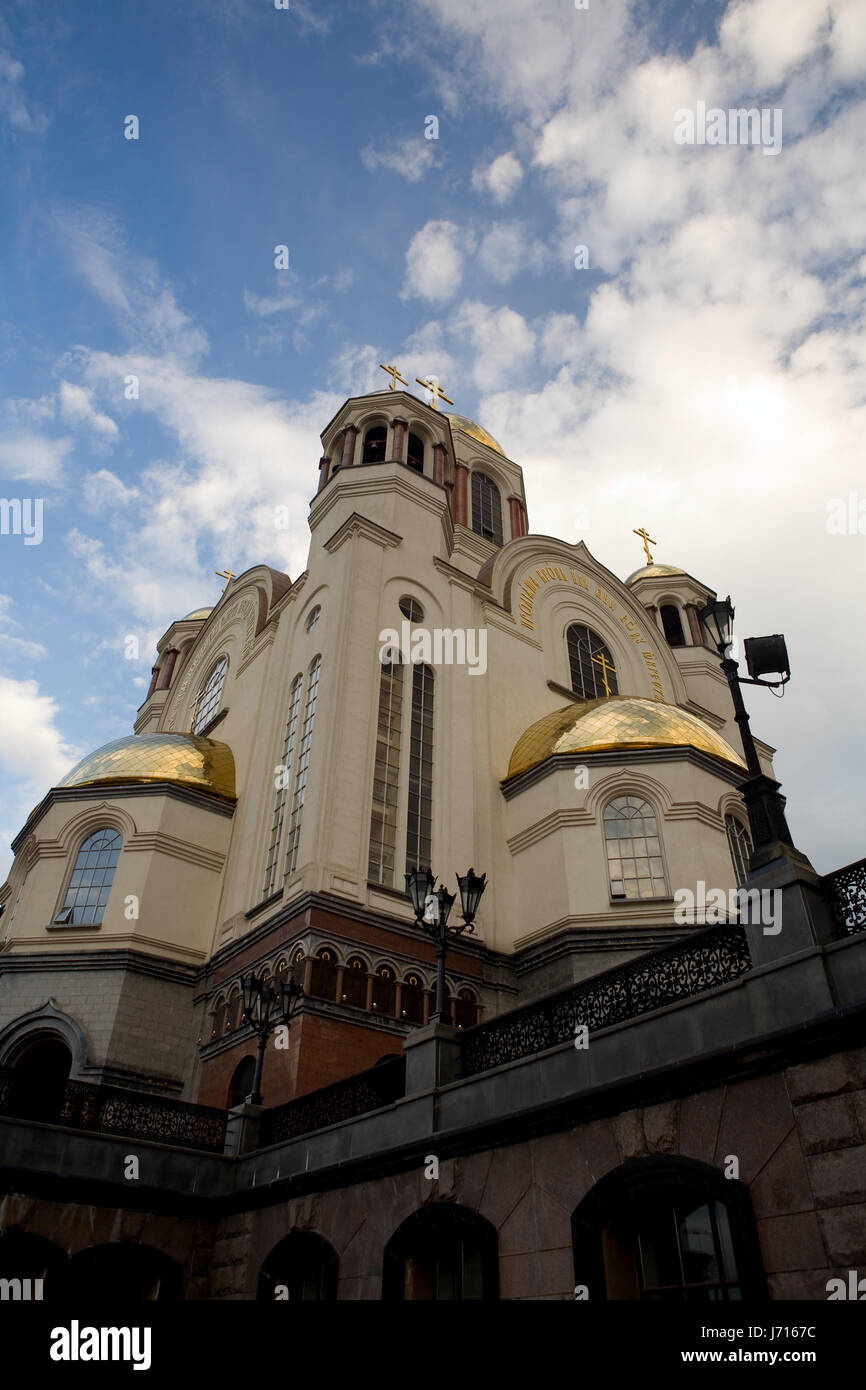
(395,376)
(647,542)
(433,385)
(602,661)
(227,575)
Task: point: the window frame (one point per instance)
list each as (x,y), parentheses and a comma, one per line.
(64,905)
(199,730)
(625,897)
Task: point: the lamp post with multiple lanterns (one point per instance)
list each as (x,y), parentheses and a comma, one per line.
(432,907)
(260,1001)
(763,654)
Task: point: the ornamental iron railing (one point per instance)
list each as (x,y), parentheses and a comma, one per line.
(111,1110)
(846,891)
(357,1095)
(706,960)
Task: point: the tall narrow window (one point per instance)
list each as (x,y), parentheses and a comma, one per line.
(300,790)
(282,774)
(673,625)
(740,844)
(415,453)
(486,508)
(634,856)
(91,880)
(374,445)
(419,827)
(386,776)
(593,674)
(208,699)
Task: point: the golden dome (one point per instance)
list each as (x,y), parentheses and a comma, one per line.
(654,572)
(618,721)
(475,431)
(197,613)
(183,758)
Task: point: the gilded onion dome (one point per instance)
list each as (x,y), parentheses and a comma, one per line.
(617,722)
(182,758)
(655,572)
(475,431)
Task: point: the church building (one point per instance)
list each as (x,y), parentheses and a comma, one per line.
(633,1083)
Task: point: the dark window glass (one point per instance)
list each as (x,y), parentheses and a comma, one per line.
(91,879)
(412,999)
(673,626)
(411,609)
(374,444)
(486,508)
(634,856)
(242,1082)
(465,1009)
(355,983)
(593,674)
(740,845)
(384,992)
(386,776)
(300,789)
(443,1252)
(415,453)
(302,1268)
(419,833)
(208,700)
(323,984)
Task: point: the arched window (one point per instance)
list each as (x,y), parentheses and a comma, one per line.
(384,994)
(241,1083)
(667,1230)
(740,845)
(208,699)
(634,856)
(355,983)
(374,445)
(415,453)
(302,1268)
(41,1073)
(323,983)
(442,1252)
(24,1256)
(386,776)
(673,625)
(412,999)
(91,880)
(313,617)
(486,508)
(593,674)
(219,1018)
(465,1009)
(234,1011)
(419,825)
(300,791)
(410,608)
(282,776)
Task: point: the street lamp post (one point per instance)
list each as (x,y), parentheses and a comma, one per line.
(432,907)
(260,999)
(763,654)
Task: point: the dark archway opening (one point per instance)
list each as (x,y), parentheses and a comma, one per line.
(443,1252)
(41,1073)
(302,1268)
(122,1270)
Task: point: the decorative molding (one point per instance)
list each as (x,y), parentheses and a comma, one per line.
(357,525)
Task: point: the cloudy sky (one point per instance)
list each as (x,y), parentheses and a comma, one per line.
(703,375)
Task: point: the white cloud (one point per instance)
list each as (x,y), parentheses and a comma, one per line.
(34,754)
(434,262)
(13,644)
(20,115)
(410,157)
(500,178)
(33,457)
(104,491)
(76,407)
(501,342)
(504,249)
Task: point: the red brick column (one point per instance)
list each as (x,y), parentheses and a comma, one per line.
(399,446)
(438,463)
(518,523)
(694,624)
(350,434)
(324,470)
(154,677)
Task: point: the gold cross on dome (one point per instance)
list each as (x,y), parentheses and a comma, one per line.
(395,376)
(602,661)
(647,542)
(227,575)
(433,385)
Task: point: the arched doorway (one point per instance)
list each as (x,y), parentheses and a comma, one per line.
(667,1229)
(302,1268)
(28,1257)
(41,1073)
(241,1083)
(443,1252)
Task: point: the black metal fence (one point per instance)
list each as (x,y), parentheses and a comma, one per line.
(369,1090)
(111,1110)
(706,960)
(846,891)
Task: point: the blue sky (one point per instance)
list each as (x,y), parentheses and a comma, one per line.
(704,376)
